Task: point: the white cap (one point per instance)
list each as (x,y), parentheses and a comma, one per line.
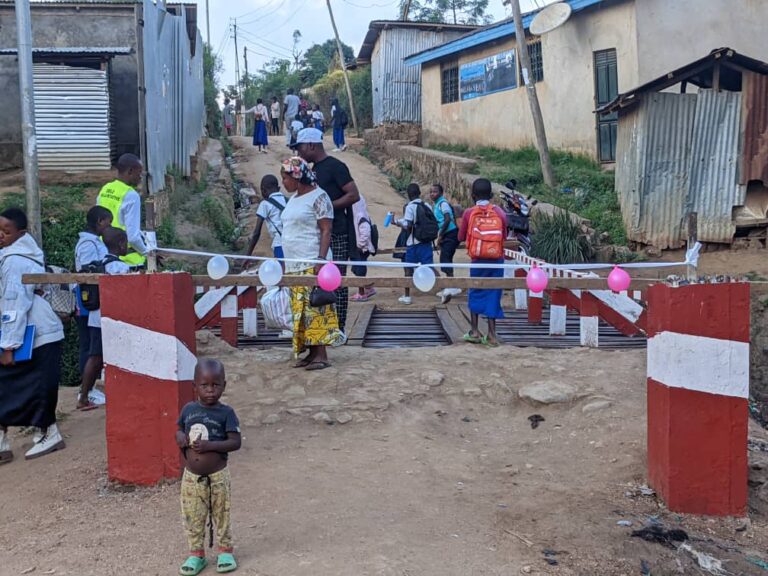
(308,136)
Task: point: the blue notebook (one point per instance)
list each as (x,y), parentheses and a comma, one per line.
(24,352)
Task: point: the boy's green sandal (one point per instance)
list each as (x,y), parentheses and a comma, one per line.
(225,563)
(193,566)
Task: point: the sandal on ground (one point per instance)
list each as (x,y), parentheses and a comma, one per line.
(359,297)
(489,343)
(6,457)
(225,563)
(303,363)
(318,365)
(472,339)
(193,566)
(87,407)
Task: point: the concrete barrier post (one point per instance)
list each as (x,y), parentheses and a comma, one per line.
(558,311)
(589,322)
(521,294)
(148,331)
(229,320)
(698,389)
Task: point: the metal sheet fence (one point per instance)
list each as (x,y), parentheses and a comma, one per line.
(678,153)
(173,77)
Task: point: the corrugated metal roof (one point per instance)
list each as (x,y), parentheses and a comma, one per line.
(73,50)
(699,72)
(755,126)
(713,189)
(376,27)
(653,154)
(72,118)
(502,29)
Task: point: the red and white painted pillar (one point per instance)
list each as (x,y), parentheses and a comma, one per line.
(698,389)
(148,332)
(589,321)
(521,294)
(558,311)
(229,319)
(249,301)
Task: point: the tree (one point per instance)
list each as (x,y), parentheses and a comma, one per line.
(295,51)
(320,59)
(211,69)
(453,11)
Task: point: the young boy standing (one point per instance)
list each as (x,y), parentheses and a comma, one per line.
(208,432)
(420,222)
(270,210)
(90,249)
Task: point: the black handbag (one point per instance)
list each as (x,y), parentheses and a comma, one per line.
(319,297)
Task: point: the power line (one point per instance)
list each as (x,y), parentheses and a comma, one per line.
(287,20)
(384,5)
(262,17)
(254,11)
(258,43)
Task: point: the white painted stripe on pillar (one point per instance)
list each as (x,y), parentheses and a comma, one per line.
(210,300)
(557,316)
(637,295)
(199,289)
(521,299)
(229,307)
(589,330)
(624,305)
(142,351)
(251,322)
(535,294)
(699,363)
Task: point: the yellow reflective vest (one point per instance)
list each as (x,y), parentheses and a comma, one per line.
(111,197)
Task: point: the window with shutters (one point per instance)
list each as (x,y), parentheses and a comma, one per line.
(449,88)
(537,61)
(606,89)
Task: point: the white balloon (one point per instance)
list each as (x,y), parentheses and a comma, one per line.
(218,267)
(270,273)
(424,278)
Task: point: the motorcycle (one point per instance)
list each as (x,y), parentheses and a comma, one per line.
(518,213)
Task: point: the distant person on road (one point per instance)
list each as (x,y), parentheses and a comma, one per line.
(29,388)
(290,109)
(333,176)
(307,224)
(208,431)
(261,115)
(228,113)
(270,210)
(447,236)
(274,111)
(121,198)
(318,119)
(422,230)
(339,121)
(491,222)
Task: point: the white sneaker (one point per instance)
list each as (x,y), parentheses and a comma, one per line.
(38,435)
(6,455)
(97,397)
(449,293)
(344,148)
(404,300)
(335,150)
(50,442)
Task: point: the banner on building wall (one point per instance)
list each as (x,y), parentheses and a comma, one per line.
(488,75)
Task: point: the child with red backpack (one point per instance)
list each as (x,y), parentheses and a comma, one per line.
(483,228)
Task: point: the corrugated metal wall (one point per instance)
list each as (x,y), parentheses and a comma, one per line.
(714,189)
(72,118)
(678,153)
(755,127)
(397,87)
(175,112)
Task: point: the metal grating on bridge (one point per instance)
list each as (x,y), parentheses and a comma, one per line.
(404,328)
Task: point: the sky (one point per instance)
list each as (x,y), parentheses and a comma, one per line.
(266,26)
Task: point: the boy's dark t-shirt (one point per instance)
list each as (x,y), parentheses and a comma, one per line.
(217,420)
(332,175)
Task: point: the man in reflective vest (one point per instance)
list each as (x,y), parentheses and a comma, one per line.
(120,198)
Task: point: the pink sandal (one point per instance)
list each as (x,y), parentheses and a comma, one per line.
(359,297)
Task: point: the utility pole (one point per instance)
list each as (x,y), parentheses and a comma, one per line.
(344,70)
(245,58)
(237,60)
(207,24)
(29,136)
(406,9)
(533,99)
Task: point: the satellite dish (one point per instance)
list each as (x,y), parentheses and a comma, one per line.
(549,18)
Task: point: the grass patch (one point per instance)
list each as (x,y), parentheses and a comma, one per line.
(215,216)
(559,239)
(583,186)
(405,176)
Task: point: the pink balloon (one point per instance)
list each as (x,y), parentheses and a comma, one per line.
(329,277)
(618,279)
(536,279)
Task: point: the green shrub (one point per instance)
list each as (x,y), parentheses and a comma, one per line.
(558,239)
(214,215)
